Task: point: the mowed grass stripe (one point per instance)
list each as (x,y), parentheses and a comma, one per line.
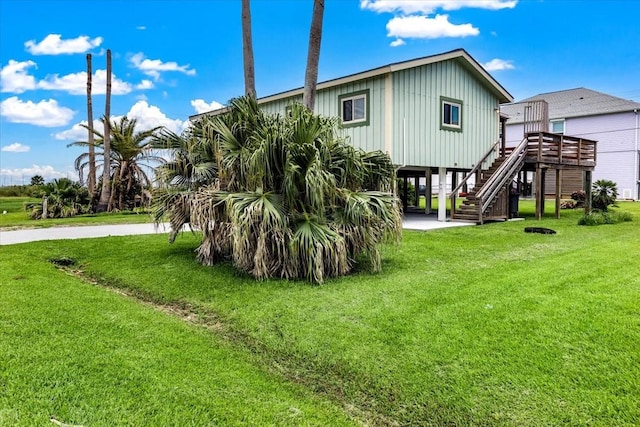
(92,357)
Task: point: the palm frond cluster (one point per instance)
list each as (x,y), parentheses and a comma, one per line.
(280,196)
(132,155)
(61,198)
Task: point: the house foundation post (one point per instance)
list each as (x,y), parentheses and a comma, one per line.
(442,194)
(558,191)
(587,192)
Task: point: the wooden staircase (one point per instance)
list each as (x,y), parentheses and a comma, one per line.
(471,206)
(489,198)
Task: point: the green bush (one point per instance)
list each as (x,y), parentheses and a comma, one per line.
(411,189)
(603,194)
(599,218)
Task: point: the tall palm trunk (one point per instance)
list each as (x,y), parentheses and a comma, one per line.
(247,50)
(313,55)
(91,184)
(105,194)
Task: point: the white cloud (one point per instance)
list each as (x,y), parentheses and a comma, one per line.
(44,113)
(428,7)
(54,45)
(150,116)
(141,28)
(16,147)
(76,83)
(498,64)
(47,172)
(145,84)
(14,77)
(202,107)
(428,28)
(397,42)
(153,67)
(77,132)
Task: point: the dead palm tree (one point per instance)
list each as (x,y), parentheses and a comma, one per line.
(105,193)
(247,50)
(313,55)
(91,182)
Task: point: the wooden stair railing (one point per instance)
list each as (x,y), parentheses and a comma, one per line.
(491,186)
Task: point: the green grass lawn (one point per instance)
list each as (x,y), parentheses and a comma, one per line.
(16,216)
(482,325)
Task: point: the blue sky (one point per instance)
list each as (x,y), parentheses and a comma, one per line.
(172,59)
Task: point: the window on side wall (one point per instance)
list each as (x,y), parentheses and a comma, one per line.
(354,108)
(451,114)
(557,126)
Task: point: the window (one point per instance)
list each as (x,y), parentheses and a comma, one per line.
(354,108)
(557,126)
(451,114)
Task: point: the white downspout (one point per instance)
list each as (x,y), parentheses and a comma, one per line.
(637,159)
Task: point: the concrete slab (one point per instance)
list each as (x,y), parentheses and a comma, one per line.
(411,221)
(422,222)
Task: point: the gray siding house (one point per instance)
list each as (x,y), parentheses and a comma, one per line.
(612,121)
(436,115)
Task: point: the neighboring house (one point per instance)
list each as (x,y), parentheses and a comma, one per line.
(585,113)
(436,115)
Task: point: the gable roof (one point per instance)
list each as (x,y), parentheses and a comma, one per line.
(459,55)
(578,102)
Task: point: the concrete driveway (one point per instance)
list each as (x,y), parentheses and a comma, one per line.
(411,221)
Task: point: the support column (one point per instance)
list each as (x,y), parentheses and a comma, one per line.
(416,190)
(538,187)
(427,191)
(454,184)
(442,194)
(558,191)
(543,188)
(587,192)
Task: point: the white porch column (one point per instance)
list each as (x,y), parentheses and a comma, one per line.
(442,194)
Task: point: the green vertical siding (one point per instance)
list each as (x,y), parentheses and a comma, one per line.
(416,116)
(368,137)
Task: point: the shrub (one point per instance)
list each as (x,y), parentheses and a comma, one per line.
(579,196)
(604,193)
(411,190)
(599,218)
(567,204)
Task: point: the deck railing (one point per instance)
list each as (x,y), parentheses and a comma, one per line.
(553,148)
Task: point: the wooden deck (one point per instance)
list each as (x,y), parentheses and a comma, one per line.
(559,150)
(539,152)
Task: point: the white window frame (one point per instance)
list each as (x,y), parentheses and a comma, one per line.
(554,122)
(453,103)
(353,99)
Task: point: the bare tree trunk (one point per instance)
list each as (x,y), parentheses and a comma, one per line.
(91,184)
(247,50)
(105,194)
(313,55)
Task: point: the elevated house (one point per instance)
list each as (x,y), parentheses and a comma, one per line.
(436,116)
(585,113)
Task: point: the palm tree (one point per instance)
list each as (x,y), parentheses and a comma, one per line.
(193,165)
(291,199)
(62,198)
(131,155)
(313,55)
(91,182)
(247,50)
(105,194)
